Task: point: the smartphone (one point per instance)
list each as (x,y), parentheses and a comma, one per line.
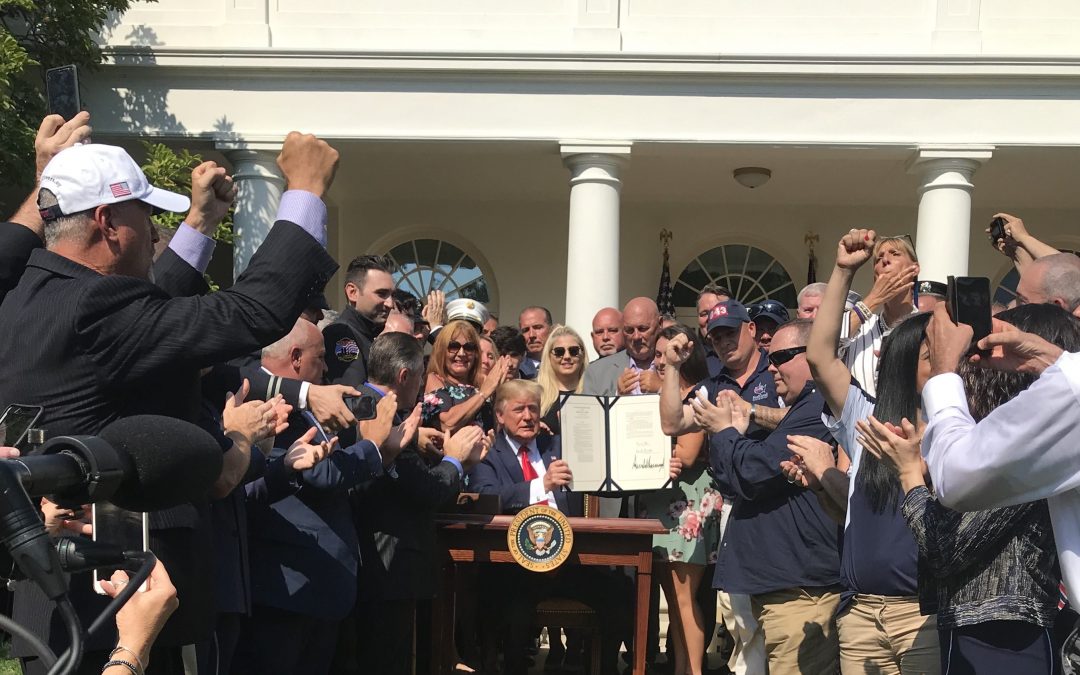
(16,420)
(997,231)
(126,530)
(362,407)
(968,301)
(62,90)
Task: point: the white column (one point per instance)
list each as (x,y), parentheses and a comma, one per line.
(592,256)
(944,224)
(259,187)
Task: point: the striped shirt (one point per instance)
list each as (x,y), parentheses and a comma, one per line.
(860,353)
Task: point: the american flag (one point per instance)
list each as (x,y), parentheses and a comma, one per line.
(663,294)
(120,190)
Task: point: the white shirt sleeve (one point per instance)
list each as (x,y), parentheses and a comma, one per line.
(1026,449)
(537,493)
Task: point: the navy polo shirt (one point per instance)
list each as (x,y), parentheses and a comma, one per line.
(712,361)
(880,556)
(759,388)
(777,536)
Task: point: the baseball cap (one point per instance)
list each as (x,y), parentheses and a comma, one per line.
(933,288)
(83,177)
(770,309)
(727,314)
(464,309)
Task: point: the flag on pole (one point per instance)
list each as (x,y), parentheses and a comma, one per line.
(663,294)
(811,266)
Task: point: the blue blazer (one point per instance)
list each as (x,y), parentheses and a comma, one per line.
(500,474)
(304,550)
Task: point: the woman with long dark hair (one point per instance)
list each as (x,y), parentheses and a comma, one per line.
(881,627)
(994,573)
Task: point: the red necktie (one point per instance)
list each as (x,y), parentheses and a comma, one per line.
(527,469)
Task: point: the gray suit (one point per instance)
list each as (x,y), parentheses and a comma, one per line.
(602,375)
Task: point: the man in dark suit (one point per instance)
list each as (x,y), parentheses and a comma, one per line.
(395,516)
(369,290)
(535,326)
(304,550)
(85,335)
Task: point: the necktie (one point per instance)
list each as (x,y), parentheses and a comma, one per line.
(527,469)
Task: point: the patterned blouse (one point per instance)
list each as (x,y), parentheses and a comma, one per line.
(991,565)
(444,398)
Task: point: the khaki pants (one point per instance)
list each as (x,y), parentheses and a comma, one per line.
(737,613)
(887,635)
(800,630)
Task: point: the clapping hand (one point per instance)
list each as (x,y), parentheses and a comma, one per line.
(303,454)
(897,447)
(811,458)
(649,382)
(467,445)
(400,436)
(254,420)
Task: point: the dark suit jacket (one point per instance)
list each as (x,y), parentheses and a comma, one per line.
(16,245)
(92,349)
(304,551)
(500,474)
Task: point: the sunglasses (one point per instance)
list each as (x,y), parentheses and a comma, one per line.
(782,356)
(907,237)
(455,347)
(768,306)
(559,352)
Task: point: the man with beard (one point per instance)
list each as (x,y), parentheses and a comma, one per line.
(607,332)
(369,289)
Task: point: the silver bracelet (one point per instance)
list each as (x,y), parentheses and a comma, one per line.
(119,662)
(138,661)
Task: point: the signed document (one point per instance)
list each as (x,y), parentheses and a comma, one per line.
(614,444)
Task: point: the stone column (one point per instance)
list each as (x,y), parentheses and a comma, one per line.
(592,257)
(944,224)
(259,188)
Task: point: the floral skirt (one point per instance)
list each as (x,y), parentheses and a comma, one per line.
(691,512)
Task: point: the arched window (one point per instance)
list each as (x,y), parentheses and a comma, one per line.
(1006,290)
(425,265)
(752,275)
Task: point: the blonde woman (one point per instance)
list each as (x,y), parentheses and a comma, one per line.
(561,371)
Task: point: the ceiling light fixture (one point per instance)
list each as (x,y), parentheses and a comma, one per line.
(752,176)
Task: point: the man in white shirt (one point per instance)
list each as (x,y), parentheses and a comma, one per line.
(1026,449)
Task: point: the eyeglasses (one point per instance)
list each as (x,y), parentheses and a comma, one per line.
(559,352)
(454,347)
(782,356)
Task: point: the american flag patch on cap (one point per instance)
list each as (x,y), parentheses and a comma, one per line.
(120,190)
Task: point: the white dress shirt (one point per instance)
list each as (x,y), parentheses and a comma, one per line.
(537,493)
(1025,450)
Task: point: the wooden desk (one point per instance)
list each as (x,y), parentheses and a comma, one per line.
(597,541)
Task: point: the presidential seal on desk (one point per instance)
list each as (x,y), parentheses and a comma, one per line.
(540,538)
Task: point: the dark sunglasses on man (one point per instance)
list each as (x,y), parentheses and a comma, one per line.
(782,356)
(454,347)
(559,352)
(771,307)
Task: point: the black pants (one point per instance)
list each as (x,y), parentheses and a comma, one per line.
(276,641)
(994,647)
(385,634)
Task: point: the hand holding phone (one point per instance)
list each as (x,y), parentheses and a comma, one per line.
(968,301)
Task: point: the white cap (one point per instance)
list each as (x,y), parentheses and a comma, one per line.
(83,177)
(464,309)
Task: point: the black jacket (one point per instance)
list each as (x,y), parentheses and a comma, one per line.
(348,343)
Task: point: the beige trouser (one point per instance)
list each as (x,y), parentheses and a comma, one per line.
(887,635)
(800,630)
(737,612)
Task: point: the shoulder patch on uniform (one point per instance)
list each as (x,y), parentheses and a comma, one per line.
(346,350)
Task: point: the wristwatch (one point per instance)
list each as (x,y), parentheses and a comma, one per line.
(753,409)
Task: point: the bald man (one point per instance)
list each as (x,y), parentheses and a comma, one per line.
(607,332)
(629,372)
(397,322)
(300,355)
(1052,280)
